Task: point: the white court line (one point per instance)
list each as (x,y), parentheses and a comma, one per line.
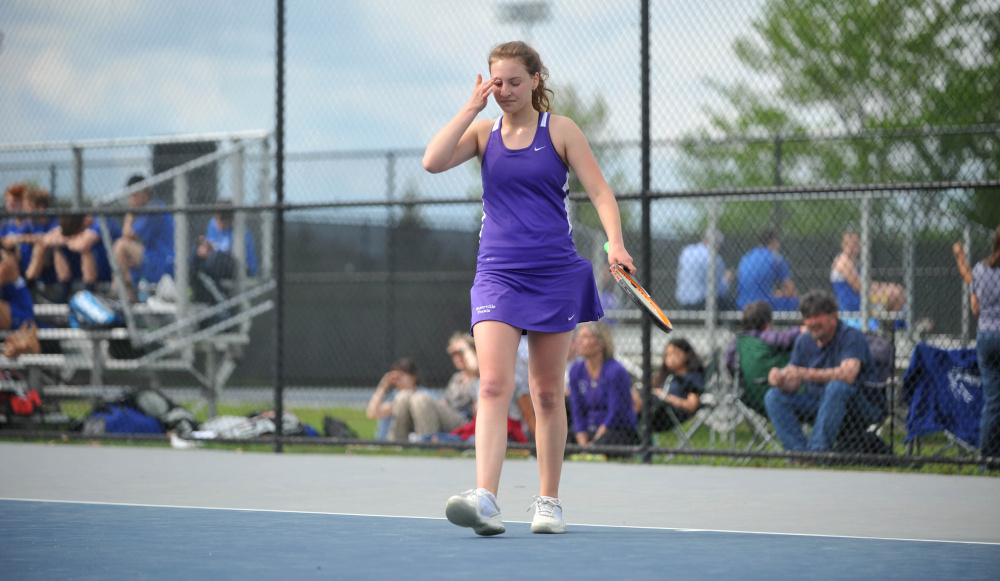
(686,530)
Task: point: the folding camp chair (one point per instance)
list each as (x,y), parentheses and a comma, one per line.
(743,402)
(945,395)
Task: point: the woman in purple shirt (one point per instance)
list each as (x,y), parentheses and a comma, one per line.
(600,391)
(529,277)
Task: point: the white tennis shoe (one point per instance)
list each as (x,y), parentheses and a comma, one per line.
(477,509)
(548,516)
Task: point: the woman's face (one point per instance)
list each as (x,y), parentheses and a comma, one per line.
(674,358)
(587,343)
(513,87)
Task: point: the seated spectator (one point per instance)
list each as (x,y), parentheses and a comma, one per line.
(763,275)
(827,368)
(677,386)
(692,276)
(16,304)
(36,257)
(845,276)
(213,256)
(78,253)
(146,247)
(13,227)
(599,390)
(759,348)
(415,410)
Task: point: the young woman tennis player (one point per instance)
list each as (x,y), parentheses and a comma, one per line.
(529,277)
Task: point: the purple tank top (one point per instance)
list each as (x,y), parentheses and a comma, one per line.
(525,204)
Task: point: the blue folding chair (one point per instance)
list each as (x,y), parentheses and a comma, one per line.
(945,395)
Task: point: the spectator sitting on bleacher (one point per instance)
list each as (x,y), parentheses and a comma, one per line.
(36,257)
(692,276)
(146,247)
(831,362)
(763,274)
(845,276)
(213,256)
(13,227)
(78,253)
(16,304)
(677,385)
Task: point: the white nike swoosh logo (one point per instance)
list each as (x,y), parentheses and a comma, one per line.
(540,148)
(570,317)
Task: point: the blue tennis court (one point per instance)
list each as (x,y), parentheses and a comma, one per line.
(163,514)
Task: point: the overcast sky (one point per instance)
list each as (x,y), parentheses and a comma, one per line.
(360,73)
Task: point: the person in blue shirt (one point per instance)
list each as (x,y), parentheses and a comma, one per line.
(213,255)
(36,255)
(763,274)
(146,247)
(600,391)
(13,227)
(20,233)
(16,304)
(79,254)
(692,276)
(828,366)
(845,278)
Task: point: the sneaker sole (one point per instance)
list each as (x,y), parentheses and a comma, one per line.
(462,512)
(548,528)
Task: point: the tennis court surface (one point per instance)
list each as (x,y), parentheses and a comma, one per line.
(88,512)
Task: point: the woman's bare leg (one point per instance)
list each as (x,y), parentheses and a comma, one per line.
(496,348)
(546,379)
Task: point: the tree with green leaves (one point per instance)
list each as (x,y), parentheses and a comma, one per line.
(864,92)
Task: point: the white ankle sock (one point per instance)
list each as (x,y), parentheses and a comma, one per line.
(489,508)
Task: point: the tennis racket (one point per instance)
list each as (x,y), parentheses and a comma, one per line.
(639,296)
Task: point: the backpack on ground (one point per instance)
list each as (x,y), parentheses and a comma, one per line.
(337,428)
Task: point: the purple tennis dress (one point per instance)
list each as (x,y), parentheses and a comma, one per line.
(528,273)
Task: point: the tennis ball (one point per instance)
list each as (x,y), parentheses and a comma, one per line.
(607,245)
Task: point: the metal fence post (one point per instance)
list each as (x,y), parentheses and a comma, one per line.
(866,261)
(910,278)
(712,283)
(181,232)
(646,260)
(77,178)
(239,218)
(966,290)
(266,218)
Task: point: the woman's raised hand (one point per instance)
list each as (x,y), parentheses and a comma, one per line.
(481,94)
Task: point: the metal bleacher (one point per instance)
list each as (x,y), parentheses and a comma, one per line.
(166,334)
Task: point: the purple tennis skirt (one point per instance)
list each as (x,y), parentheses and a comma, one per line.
(550,300)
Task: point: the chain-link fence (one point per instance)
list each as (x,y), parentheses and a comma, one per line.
(854,141)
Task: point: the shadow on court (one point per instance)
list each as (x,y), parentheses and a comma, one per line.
(57,540)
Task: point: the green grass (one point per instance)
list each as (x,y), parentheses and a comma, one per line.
(365,428)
